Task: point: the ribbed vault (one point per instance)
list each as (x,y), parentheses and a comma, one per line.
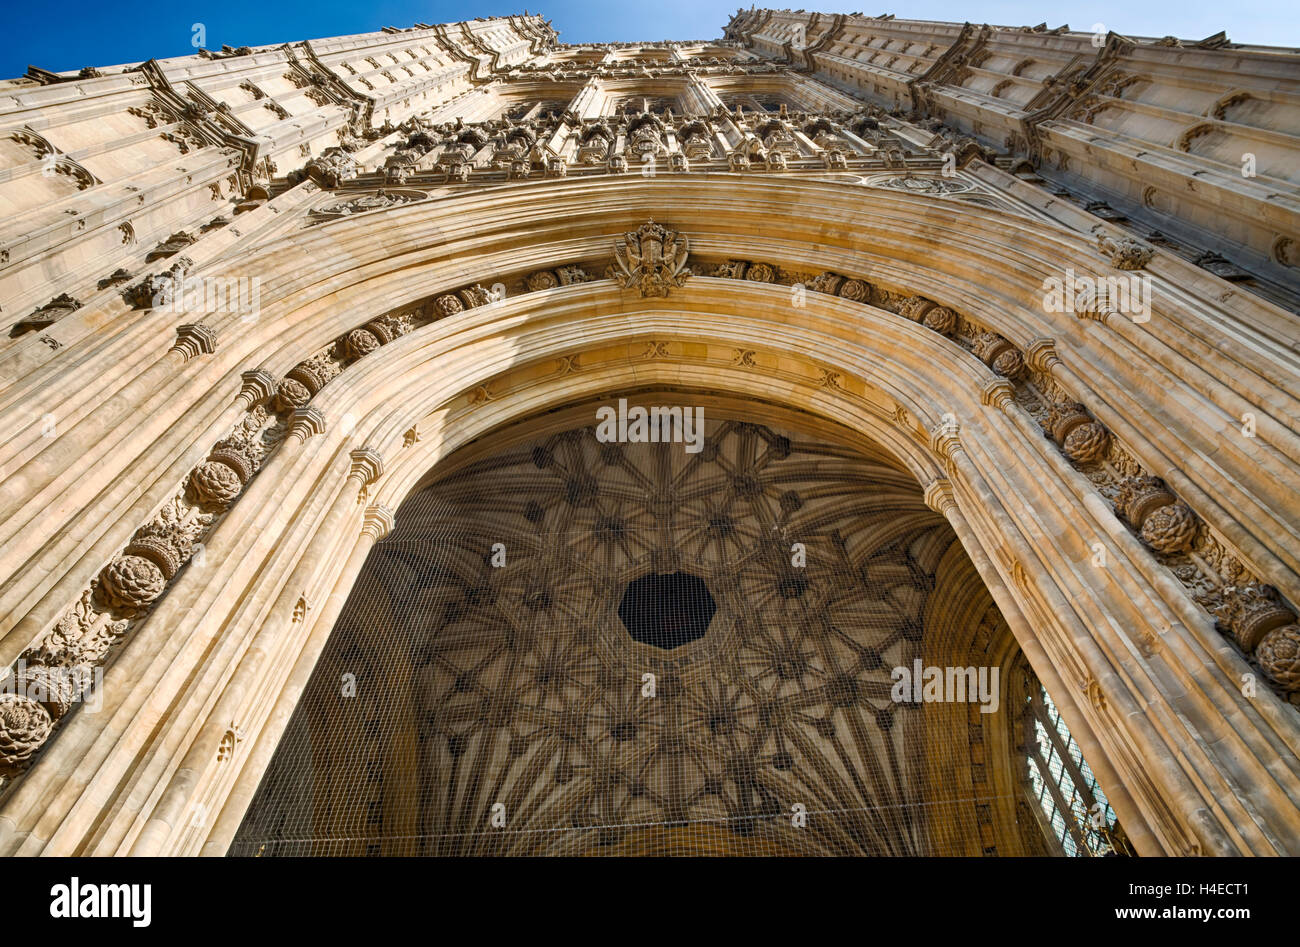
(493,670)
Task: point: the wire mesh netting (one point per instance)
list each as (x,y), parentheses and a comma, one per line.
(577,646)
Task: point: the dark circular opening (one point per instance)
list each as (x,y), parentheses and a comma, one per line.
(667,611)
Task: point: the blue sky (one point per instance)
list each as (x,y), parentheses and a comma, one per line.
(76,33)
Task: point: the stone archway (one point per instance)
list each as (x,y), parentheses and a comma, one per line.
(487,663)
(211,671)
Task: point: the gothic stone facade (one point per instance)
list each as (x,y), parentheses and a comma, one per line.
(253,297)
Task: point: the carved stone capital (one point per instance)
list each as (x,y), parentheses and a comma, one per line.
(945,440)
(257,386)
(378,521)
(367,465)
(305,423)
(939,496)
(194,339)
(1040,354)
(997,392)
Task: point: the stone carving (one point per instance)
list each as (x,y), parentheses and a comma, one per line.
(1170,528)
(154,114)
(835,160)
(1063,417)
(47,315)
(943,320)
(171,246)
(477,295)
(915,307)
(1125,253)
(360,342)
(212,482)
(997,353)
(157,289)
(542,279)
(1248,612)
(1278,654)
(194,339)
(645,139)
(596,143)
(316,371)
(24,727)
(1080,438)
(247,446)
(855,290)
(132,582)
(366,203)
(448,305)
(292,394)
(1008,363)
(226,750)
(696,141)
(54,688)
(652,259)
(82,635)
(168,541)
(828,283)
(572,274)
(1221,267)
(117,277)
(392,326)
(332,168)
(919,185)
(1139,497)
(732,269)
(1086,443)
(58,668)
(216,483)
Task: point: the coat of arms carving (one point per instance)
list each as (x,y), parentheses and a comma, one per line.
(651,259)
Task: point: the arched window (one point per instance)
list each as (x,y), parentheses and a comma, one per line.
(1074,810)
